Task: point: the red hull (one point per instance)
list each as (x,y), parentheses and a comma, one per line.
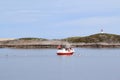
(65,53)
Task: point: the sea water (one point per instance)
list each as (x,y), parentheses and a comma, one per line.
(45,64)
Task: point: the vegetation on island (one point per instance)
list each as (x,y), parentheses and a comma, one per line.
(30,38)
(99,40)
(20,41)
(95,38)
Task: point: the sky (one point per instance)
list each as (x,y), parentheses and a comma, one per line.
(56,19)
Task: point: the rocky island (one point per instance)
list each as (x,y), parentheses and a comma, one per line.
(100,40)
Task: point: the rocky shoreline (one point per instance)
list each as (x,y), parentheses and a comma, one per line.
(31,44)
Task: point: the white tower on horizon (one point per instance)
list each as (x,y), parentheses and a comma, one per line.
(101,31)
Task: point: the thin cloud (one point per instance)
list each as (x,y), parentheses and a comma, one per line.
(91,21)
(60,15)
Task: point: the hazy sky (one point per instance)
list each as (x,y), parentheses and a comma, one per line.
(58,18)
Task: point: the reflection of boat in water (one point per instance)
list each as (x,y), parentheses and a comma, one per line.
(65,51)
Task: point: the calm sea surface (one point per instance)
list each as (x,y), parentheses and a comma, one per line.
(44,64)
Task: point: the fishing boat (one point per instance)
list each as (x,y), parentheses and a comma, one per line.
(65,51)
